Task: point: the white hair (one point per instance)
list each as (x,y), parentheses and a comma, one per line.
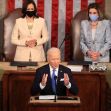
(53,50)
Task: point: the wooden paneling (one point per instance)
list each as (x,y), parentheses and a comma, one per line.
(17,85)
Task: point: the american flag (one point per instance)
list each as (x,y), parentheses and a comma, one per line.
(58,15)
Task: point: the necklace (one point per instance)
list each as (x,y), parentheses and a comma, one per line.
(30,26)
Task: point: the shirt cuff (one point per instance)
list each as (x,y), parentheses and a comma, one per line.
(69,85)
(41,86)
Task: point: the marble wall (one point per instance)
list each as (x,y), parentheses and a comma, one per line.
(108,8)
(2,8)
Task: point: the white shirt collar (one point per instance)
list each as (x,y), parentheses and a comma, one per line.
(51,70)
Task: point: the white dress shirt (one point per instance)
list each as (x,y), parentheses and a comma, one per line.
(56,73)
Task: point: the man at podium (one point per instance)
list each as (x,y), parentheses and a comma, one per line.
(53,78)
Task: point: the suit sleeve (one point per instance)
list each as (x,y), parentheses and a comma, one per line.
(44,34)
(107,36)
(15,38)
(36,84)
(74,88)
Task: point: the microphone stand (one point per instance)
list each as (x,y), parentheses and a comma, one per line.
(61,43)
(55,78)
(65,38)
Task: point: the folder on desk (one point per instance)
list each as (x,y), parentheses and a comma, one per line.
(75,68)
(52,97)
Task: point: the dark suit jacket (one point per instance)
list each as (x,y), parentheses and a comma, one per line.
(61,88)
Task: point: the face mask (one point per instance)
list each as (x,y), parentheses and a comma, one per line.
(30,13)
(93,17)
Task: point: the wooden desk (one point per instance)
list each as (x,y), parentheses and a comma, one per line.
(50,105)
(17,85)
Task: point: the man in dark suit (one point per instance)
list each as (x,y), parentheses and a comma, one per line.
(44,82)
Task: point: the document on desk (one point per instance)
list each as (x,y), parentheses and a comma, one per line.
(75,68)
(46,97)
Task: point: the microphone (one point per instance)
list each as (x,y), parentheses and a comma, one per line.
(55,78)
(67,37)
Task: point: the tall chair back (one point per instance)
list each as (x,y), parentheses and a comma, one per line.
(9,22)
(75,34)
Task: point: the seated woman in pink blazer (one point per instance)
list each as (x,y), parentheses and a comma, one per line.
(29,34)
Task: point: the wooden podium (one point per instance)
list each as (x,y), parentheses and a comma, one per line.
(68,103)
(17,85)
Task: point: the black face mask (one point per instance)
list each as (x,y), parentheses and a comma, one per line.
(30,13)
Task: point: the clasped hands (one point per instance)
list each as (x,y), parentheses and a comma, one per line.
(31,43)
(45,76)
(93,55)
